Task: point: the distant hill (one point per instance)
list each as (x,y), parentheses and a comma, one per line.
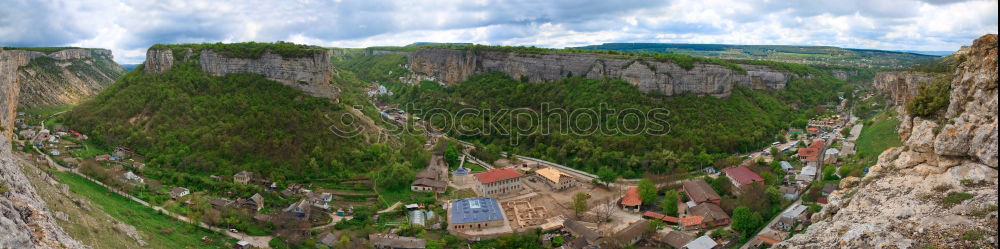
(813,55)
(934,53)
(129,67)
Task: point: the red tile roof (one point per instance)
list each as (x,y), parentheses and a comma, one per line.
(652,215)
(743,175)
(808,152)
(691,221)
(818,144)
(496,175)
(631,197)
(671,219)
(822,200)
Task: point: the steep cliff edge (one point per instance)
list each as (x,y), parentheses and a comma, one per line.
(62,77)
(311,74)
(937,191)
(24,220)
(450,66)
(901,86)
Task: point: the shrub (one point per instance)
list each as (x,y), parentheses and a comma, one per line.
(972,235)
(954,198)
(931,98)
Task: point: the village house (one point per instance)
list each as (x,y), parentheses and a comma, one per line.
(742,176)
(703,242)
(129,176)
(793,216)
(556,179)
(786,166)
(243,177)
(498,182)
(631,200)
(585,236)
(391,241)
(292,189)
(675,239)
(254,203)
(299,209)
(630,235)
(789,192)
(178,192)
(712,215)
(770,237)
(475,214)
(806,175)
(320,201)
(433,178)
(831,156)
(220,202)
(71,162)
(102,158)
(698,191)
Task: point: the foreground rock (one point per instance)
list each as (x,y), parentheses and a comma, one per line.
(937,191)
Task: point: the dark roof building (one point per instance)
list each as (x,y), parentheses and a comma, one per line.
(581,231)
(389,241)
(712,214)
(676,239)
(699,192)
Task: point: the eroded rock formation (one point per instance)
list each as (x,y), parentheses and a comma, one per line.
(310,74)
(937,191)
(901,86)
(450,66)
(63,77)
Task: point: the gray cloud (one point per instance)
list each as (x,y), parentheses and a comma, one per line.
(130,26)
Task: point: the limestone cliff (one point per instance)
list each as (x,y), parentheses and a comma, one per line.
(450,66)
(901,86)
(62,77)
(311,74)
(937,191)
(24,220)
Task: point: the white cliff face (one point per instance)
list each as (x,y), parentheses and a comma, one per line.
(901,87)
(901,203)
(311,74)
(450,66)
(24,220)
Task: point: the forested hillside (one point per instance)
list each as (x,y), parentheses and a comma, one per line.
(701,129)
(189,121)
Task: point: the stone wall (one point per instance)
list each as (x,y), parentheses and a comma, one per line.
(450,66)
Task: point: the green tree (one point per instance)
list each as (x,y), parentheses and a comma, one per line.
(580,203)
(743,220)
(451,155)
(607,176)
(647,191)
(670,203)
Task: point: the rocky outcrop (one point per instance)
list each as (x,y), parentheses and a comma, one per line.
(63,77)
(312,74)
(24,220)
(450,66)
(10,89)
(937,191)
(901,86)
(843,74)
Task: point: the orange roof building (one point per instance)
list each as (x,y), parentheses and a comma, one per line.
(631,200)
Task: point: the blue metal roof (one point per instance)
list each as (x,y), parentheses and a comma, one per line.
(461,171)
(473,210)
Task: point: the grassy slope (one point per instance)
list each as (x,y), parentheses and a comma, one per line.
(91,227)
(159,230)
(878,135)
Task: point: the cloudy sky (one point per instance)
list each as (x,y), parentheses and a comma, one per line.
(130,26)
